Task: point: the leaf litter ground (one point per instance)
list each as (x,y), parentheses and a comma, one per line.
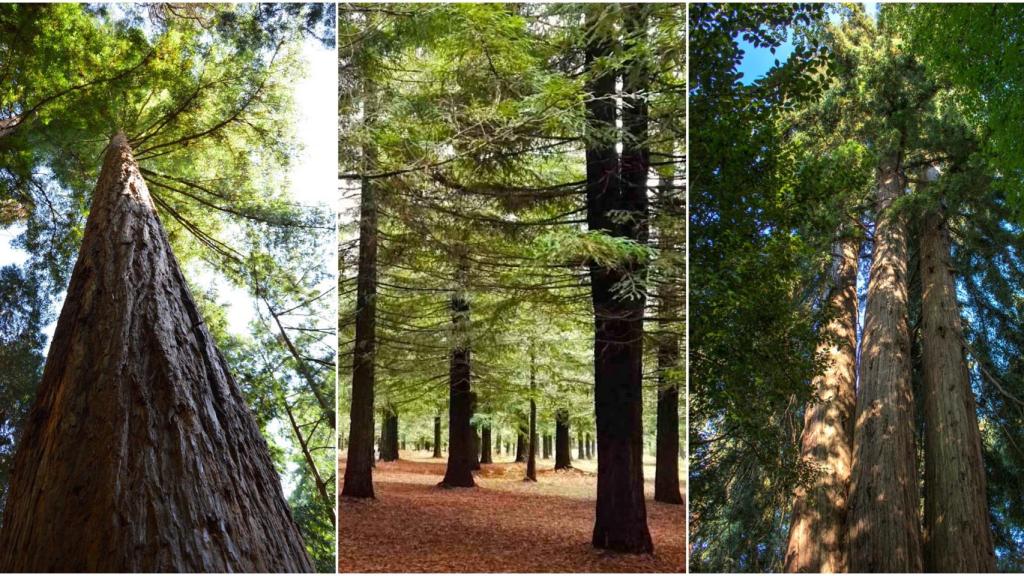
(502,525)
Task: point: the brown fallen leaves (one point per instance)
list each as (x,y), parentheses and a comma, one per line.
(502,525)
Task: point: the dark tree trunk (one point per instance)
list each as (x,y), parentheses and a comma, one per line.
(621,518)
(360,462)
(140,454)
(389,438)
(562,445)
(531,462)
(590,453)
(884,531)
(817,534)
(956,523)
(497,444)
(437,436)
(580,454)
(520,446)
(459,472)
(485,447)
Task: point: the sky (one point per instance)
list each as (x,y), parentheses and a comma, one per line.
(758,61)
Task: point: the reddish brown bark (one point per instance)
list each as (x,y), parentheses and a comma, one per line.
(884,531)
(817,535)
(140,454)
(958,536)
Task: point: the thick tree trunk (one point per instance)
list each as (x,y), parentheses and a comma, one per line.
(459,472)
(563,460)
(140,454)
(360,462)
(389,438)
(621,519)
(958,535)
(817,534)
(437,436)
(485,447)
(520,446)
(885,534)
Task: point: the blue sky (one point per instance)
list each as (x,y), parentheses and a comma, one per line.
(758,61)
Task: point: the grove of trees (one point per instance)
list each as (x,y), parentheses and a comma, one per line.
(511,243)
(855,290)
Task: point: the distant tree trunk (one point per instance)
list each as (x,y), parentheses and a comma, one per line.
(562,445)
(437,436)
(580,454)
(460,450)
(140,454)
(590,452)
(531,462)
(885,534)
(359,465)
(485,448)
(520,446)
(956,522)
(389,438)
(621,518)
(475,446)
(497,443)
(817,534)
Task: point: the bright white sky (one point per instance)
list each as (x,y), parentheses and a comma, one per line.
(313,180)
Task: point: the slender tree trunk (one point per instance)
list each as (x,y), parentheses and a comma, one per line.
(475,448)
(621,518)
(389,444)
(140,454)
(459,472)
(885,534)
(437,437)
(485,448)
(590,451)
(498,444)
(563,459)
(817,535)
(958,535)
(360,462)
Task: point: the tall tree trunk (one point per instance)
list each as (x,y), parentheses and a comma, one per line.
(459,472)
(590,451)
(139,454)
(621,519)
(817,534)
(360,462)
(885,534)
(485,448)
(563,460)
(498,443)
(475,446)
(437,437)
(958,535)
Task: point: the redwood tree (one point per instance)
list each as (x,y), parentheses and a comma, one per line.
(817,533)
(621,519)
(885,533)
(140,454)
(958,535)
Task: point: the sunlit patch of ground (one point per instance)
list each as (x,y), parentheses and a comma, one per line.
(503,525)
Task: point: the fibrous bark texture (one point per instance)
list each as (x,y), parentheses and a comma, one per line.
(958,536)
(359,466)
(140,454)
(817,534)
(884,531)
(621,517)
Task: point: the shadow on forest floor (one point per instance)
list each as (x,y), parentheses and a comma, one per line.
(503,525)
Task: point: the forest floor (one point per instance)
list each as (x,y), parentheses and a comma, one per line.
(503,525)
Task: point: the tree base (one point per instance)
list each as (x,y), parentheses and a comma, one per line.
(446,485)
